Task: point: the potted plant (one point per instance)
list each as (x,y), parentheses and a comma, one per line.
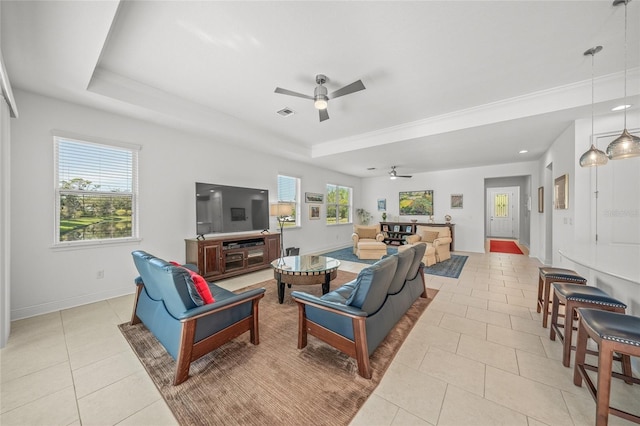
(384,216)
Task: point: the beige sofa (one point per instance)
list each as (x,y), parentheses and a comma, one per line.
(438,237)
(365,233)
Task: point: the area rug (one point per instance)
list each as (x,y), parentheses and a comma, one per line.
(499,246)
(273,382)
(450,268)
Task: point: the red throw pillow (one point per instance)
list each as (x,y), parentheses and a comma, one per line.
(200,284)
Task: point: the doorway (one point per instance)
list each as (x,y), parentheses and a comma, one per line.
(503,212)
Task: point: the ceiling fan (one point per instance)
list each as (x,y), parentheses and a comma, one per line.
(394,175)
(320,97)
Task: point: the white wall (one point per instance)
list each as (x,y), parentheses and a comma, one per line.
(5,229)
(563,157)
(45,279)
(469,221)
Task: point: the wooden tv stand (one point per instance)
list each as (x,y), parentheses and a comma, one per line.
(228,256)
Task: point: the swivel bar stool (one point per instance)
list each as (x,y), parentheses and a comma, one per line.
(613,332)
(557,275)
(575,296)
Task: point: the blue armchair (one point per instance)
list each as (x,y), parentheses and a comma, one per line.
(356,317)
(188,331)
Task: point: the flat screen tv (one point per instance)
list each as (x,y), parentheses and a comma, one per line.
(222,209)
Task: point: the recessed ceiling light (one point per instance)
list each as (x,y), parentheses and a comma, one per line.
(524,151)
(620,107)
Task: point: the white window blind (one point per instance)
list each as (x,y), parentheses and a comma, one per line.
(96,191)
(288,190)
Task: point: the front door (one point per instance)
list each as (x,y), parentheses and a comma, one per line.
(503,212)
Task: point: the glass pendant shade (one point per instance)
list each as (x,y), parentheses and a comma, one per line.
(625,146)
(593,158)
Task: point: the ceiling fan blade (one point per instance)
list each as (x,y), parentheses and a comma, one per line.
(404,176)
(350,88)
(324,114)
(291,93)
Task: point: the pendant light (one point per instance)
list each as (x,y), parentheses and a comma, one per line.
(625,145)
(593,157)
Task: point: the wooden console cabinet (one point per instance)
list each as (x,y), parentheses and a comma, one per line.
(395,232)
(223,257)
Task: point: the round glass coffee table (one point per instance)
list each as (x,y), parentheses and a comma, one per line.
(304,270)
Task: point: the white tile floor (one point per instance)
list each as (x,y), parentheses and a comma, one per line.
(478,356)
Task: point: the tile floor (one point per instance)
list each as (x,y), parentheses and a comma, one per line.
(478,356)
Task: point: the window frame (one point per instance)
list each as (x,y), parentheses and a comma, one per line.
(133,149)
(296,202)
(338,205)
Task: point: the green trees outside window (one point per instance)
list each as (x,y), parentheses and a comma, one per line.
(96,191)
(338,204)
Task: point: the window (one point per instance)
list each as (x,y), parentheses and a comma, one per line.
(501,205)
(338,204)
(95,192)
(288,190)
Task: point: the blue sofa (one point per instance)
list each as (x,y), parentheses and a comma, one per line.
(188,331)
(356,317)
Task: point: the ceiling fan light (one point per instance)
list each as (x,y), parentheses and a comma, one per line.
(625,146)
(321,102)
(593,158)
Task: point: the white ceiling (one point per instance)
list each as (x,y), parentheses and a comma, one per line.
(449,83)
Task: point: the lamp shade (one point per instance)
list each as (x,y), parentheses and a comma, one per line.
(593,158)
(625,146)
(321,102)
(280,209)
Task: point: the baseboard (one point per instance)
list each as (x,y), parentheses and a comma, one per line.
(72,302)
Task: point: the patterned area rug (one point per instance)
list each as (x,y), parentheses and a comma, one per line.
(450,268)
(273,383)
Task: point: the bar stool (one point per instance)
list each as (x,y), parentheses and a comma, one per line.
(613,332)
(575,296)
(549,275)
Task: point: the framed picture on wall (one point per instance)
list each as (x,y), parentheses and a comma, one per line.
(314,212)
(313,197)
(416,203)
(456,201)
(541,199)
(561,192)
(382,204)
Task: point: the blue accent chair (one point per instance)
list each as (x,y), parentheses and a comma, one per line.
(188,331)
(356,317)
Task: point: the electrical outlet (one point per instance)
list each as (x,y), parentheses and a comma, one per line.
(100,274)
